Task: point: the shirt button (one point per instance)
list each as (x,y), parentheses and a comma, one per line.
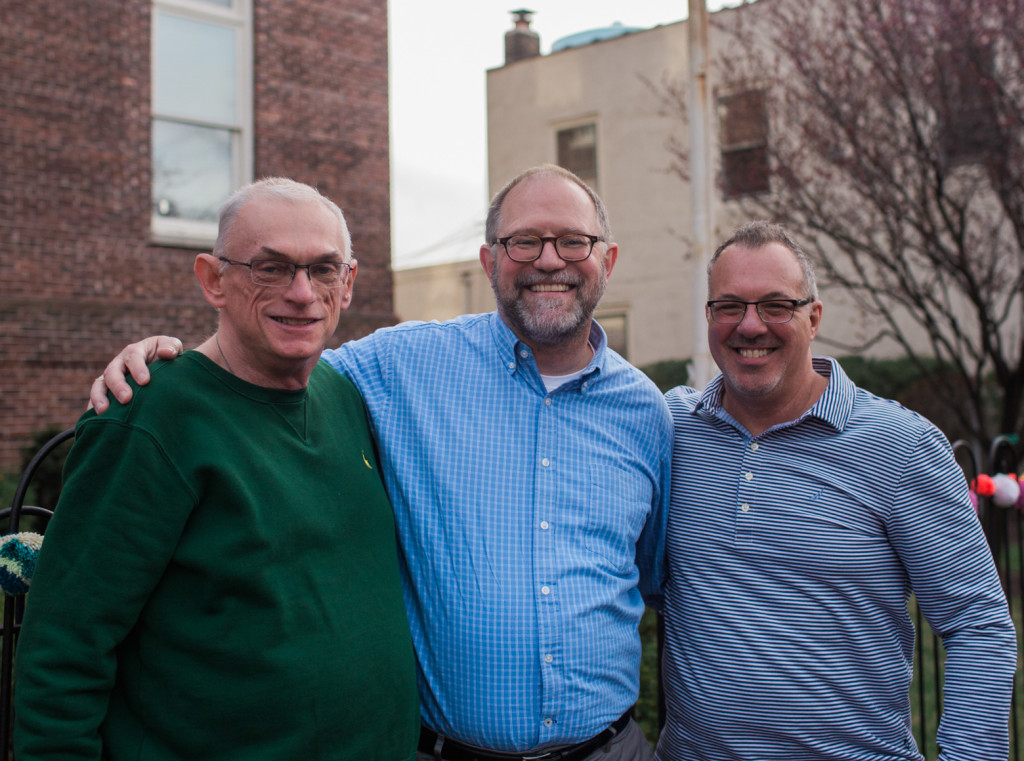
(548,722)
(748,476)
(547,401)
(745,508)
(548,657)
(545,525)
(523,353)
(545,462)
(754,446)
(511,365)
(545,590)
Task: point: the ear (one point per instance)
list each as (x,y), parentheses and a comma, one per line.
(610,257)
(815,317)
(208,272)
(348,289)
(487,259)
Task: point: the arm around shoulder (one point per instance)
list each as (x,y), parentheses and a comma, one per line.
(132,359)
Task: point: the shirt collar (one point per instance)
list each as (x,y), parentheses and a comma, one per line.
(516,355)
(834,407)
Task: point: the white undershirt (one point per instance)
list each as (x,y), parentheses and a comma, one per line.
(551,382)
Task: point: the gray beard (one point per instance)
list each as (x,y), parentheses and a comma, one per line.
(549,327)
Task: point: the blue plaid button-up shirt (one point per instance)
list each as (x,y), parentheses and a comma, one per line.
(529,523)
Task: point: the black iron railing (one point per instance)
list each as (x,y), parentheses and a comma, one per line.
(14,607)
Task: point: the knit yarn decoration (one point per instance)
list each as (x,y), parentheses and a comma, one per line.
(18,554)
(1006,489)
(983,486)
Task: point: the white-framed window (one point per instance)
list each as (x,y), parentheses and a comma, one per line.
(202,114)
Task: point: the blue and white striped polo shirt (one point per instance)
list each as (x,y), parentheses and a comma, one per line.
(792,556)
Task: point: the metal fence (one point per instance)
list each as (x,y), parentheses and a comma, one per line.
(14,607)
(1005,532)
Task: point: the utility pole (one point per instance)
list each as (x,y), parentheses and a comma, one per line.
(700,184)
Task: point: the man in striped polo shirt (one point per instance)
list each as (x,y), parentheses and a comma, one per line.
(804,512)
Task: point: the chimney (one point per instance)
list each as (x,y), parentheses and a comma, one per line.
(521,42)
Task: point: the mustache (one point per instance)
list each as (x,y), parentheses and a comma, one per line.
(757,343)
(556,278)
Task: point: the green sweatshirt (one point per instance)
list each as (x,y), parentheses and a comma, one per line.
(219,581)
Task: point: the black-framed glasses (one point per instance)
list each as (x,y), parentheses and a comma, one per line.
(573,247)
(276,273)
(771,311)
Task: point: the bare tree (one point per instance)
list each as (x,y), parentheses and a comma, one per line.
(894,146)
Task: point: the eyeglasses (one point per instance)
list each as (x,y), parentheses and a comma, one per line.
(275,273)
(772,311)
(574,247)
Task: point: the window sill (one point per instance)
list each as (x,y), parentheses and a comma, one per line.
(179,233)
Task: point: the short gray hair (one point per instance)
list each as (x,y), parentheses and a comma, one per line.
(551,170)
(274,187)
(760,233)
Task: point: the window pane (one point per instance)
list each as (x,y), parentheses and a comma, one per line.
(968,118)
(195,69)
(745,172)
(577,151)
(192,170)
(744,119)
(615,328)
(219,3)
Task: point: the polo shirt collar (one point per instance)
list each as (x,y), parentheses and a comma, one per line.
(834,407)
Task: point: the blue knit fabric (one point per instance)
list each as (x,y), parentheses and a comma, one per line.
(792,557)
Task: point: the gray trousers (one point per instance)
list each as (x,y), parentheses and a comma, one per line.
(629,745)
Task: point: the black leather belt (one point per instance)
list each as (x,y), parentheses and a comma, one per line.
(445,748)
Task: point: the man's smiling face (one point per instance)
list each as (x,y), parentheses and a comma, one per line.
(757,359)
(548,301)
(288,326)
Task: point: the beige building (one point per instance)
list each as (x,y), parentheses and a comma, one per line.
(593,106)
(442,291)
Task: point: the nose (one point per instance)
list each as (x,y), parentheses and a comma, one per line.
(549,258)
(751,324)
(301,288)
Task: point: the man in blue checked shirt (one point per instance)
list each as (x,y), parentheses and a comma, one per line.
(528,466)
(804,513)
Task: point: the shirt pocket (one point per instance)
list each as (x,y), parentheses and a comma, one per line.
(618,505)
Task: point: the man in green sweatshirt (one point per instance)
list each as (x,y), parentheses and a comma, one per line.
(220,577)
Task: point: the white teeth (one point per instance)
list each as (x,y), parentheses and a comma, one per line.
(543,288)
(753,353)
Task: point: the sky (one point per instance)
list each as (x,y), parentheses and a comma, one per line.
(439,56)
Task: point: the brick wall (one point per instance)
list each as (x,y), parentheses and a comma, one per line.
(78,278)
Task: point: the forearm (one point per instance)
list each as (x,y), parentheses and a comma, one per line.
(979,669)
(943,548)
